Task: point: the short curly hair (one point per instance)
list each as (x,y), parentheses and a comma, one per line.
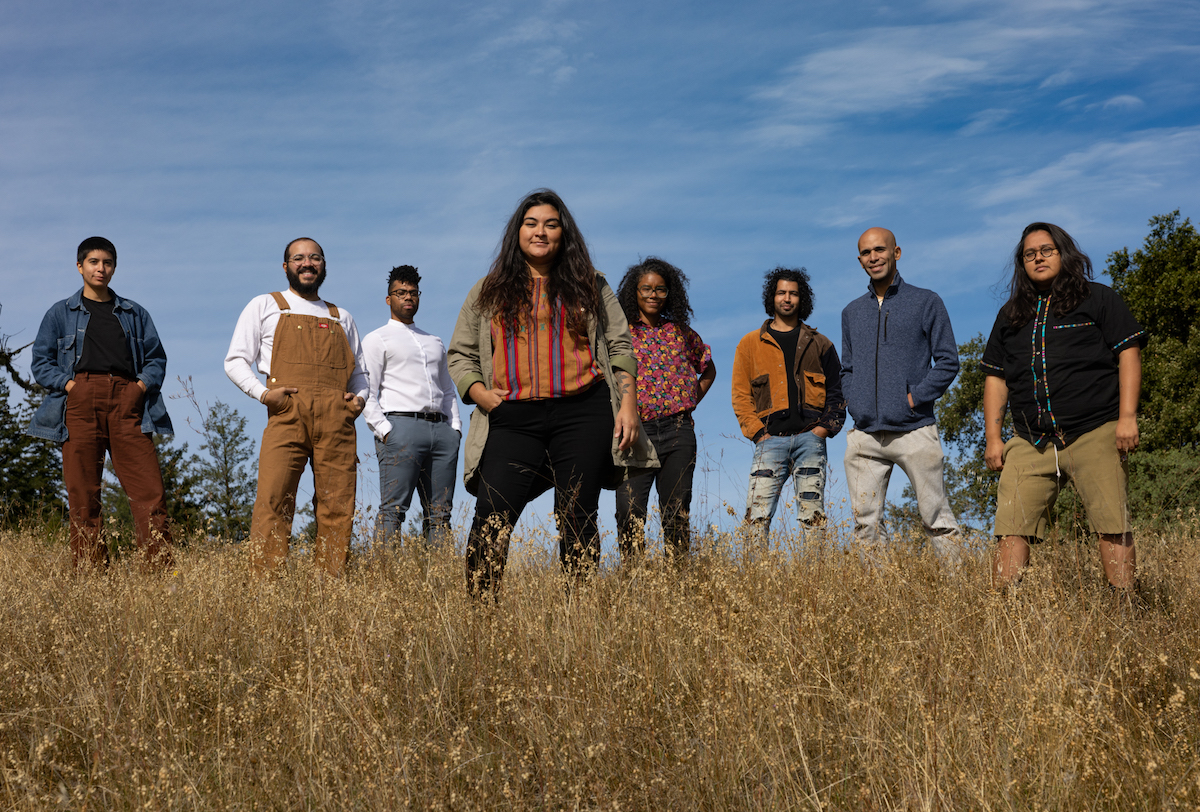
(781,274)
(406,274)
(677,309)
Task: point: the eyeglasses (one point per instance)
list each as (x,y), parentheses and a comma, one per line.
(314,258)
(646,290)
(1045,251)
(406,294)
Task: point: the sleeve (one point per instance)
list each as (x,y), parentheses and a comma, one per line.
(616,330)
(44,365)
(945,355)
(154,363)
(449,401)
(743,407)
(834,416)
(359,384)
(243,351)
(699,353)
(847,354)
(1118,326)
(373,361)
(462,356)
(994,355)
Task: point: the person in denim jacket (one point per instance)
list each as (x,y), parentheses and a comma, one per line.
(101,362)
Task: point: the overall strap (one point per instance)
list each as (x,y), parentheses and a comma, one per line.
(333,311)
(282,302)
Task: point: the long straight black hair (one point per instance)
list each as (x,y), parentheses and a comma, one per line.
(1069,288)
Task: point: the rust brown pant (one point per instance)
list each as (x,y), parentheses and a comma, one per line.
(104,415)
(317,424)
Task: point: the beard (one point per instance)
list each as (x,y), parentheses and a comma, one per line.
(302,288)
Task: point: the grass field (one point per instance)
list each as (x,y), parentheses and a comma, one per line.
(804,679)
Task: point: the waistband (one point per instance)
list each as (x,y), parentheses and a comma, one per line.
(120,375)
(432,417)
(677,419)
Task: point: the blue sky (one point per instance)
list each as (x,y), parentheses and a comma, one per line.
(726,138)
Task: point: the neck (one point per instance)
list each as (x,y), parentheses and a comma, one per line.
(402,319)
(312,297)
(97,294)
(785,324)
(653,319)
(540,270)
(881,287)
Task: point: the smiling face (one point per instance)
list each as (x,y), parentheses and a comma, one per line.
(1042,270)
(877,253)
(652,295)
(540,236)
(787,300)
(305,268)
(97,270)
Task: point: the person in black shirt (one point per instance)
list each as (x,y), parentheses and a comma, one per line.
(102,364)
(1065,356)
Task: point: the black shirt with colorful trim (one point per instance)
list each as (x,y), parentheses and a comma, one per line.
(1061,371)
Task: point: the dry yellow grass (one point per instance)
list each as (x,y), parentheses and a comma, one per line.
(801,680)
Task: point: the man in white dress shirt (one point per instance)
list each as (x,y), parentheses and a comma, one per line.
(316,387)
(413,411)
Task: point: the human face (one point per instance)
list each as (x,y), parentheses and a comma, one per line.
(404,298)
(540,235)
(305,268)
(97,270)
(787,299)
(652,296)
(877,253)
(1042,270)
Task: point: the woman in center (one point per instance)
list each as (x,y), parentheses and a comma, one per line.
(542,349)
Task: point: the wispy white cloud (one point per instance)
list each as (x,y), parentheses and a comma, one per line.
(984,120)
(1123,102)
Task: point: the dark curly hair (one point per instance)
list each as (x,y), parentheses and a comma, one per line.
(677,309)
(1069,288)
(507,288)
(406,274)
(781,274)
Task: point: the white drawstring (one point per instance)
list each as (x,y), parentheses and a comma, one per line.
(1057,472)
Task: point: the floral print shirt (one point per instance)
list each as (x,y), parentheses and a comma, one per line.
(670,359)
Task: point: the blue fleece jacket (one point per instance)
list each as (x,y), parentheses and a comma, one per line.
(887,352)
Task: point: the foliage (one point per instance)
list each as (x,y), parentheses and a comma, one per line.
(31,472)
(227,473)
(1160,283)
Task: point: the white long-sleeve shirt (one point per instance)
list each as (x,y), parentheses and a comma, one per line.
(408,373)
(254,335)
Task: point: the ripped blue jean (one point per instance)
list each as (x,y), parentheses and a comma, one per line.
(801,457)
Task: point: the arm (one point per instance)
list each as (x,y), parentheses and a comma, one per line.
(847,352)
(834,416)
(945,356)
(625,427)
(462,356)
(743,407)
(359,384)
(624,364)
(243,351)
(44,365)
(1129,372)
(705,381)
(154,364)
(373,357)
(995,399)
(449,401)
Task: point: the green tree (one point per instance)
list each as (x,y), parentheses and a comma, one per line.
(31,472)
(227,473)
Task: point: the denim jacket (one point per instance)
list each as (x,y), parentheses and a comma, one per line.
(57,349)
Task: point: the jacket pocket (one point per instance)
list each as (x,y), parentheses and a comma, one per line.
(814,389)
(66,354)
(760,393)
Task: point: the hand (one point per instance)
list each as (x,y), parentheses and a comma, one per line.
(141,385)
(625,427)
(911,405)
(276,399)
(762,437)
(70,385)
(357,404)
(484,398)
(1127,434)
(821,432)
(993,455)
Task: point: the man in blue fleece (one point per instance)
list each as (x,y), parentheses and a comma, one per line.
(898,357)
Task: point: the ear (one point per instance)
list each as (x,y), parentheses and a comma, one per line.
(897,252)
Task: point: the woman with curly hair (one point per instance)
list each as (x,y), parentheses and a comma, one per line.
(542,350)
(1065,356)
(676,372)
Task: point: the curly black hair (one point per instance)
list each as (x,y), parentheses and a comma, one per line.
(781,274)
(506,289)
(677,309)
(406,274)
(1069,288)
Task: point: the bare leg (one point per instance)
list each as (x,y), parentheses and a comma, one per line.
(1012,557)
(1119,557)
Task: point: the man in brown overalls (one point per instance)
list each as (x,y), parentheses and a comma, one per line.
(316,387)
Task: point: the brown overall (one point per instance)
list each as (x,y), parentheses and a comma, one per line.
(312,354)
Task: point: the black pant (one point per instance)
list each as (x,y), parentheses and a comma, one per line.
(674,439)
(533,445)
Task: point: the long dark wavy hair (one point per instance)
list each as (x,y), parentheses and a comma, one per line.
(1069,288)
(508,287)
(677,309)
(797,275)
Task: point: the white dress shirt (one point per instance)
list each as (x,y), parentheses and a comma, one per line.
(408,373)
(255,334)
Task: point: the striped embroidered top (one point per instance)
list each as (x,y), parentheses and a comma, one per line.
(1061,371)
(549,361)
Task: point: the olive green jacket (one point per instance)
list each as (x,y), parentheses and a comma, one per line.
(469,357)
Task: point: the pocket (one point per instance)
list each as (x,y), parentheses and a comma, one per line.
(760,393)
(814,389)
(66,352)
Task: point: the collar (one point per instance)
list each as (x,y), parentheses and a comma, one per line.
(892,290)
(802,330)
(75,302)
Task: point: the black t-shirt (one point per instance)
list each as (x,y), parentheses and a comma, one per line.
(1061,371)
(105,348)
(789,421)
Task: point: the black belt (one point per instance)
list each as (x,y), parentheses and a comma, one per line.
(432,417)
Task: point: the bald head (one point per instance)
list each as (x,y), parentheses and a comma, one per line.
(877,253)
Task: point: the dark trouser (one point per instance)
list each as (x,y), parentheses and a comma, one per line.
(674,438)
(104,414)
(532,445)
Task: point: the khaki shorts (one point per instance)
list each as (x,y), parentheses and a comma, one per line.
(1030,481)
